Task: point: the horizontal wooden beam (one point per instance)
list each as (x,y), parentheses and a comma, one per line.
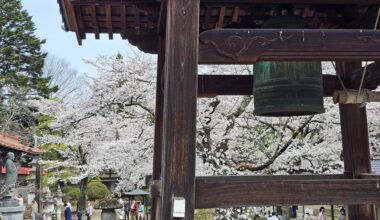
(319,2)
(260,178)
(270,190)
(369,176)
(113,2)
(246,46)
(213,85)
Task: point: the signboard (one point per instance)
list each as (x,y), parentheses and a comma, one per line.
(179,205)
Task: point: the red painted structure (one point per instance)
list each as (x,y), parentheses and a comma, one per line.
(21,170)
(14,144)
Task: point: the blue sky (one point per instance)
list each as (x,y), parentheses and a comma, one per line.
(63,44)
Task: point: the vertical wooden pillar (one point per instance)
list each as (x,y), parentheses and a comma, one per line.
(39,185)
(180,99)
(355,140)
(157,151)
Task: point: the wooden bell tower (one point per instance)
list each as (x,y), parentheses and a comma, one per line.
(185,33)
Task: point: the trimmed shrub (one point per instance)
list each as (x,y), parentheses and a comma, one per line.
(72,192)
(108,203)
(97,190)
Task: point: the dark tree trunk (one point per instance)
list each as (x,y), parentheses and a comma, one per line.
(82,196)
(81,206)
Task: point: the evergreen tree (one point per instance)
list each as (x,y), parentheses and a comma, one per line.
(21,63)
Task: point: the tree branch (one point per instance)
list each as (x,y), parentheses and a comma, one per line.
(251,166)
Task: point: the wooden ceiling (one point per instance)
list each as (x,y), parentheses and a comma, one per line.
(141,21)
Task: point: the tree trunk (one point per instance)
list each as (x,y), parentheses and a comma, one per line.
(81,206)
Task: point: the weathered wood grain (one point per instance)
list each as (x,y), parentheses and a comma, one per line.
(109,21)
(159,112)
(334,2)
(246,46)
(68,10)
(355,142)
(180,95)
(95,25)
(271,190)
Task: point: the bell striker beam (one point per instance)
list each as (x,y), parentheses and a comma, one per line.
(157,151)
(180,100)
(354,139)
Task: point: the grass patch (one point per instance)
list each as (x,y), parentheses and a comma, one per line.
(204,214)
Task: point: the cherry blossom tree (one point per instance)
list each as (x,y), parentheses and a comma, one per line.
(232,140)
(113,127)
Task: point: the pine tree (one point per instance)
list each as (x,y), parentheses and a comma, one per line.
(21,59)
(21,63)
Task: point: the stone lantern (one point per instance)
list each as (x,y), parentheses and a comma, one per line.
(47,204)
(58,202)
(108,206)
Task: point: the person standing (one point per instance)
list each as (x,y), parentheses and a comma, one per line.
(134,209)
(67,211)
(322,214)
(20,200)
(307,216)
(79,215)
(257,213)
(34,213)
(342,215)
(126,210)
(294,211)
(141,211)
(89,211)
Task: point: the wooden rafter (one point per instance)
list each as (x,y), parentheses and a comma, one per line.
(109,21)
(123,22)
(80,22)
(137,19)
(68,8)
(222,13)
(235,15)
(234,11)
(206,19)
(94,21)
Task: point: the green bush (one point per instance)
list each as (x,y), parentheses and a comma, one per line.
(72,192)
(97,190)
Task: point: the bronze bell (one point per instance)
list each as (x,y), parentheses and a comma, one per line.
(287,88)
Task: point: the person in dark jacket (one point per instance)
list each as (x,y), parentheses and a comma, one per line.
(126,210)
(67,212)
(79,215)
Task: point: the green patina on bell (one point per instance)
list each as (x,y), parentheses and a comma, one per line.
(284,88)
